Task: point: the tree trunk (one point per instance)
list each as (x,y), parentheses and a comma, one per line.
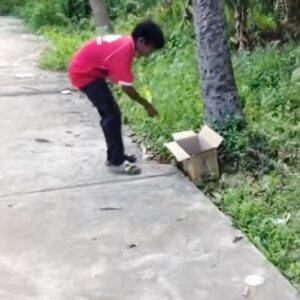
(220,97)
(241,24)
(100,13)
(188,12)
(288,12)
(293,18)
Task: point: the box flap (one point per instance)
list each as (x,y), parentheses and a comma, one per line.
(177,151)
(190,145)
(183,135)
(210,136)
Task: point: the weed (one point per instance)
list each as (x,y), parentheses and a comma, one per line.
(63,44)
(10,6)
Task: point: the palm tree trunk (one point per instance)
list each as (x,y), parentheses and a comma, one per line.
(241,24)
(100,13)
(293,18)
(288,12)
(220,96)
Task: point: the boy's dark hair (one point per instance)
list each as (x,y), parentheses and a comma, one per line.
(150,32)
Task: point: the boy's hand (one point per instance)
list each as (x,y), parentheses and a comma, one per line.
(152,112)
(133,94)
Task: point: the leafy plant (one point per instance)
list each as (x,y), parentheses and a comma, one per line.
(63,45)
(41,13)
(10,6)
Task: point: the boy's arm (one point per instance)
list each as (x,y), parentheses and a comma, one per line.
(134,95)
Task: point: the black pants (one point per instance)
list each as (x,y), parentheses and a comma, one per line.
(99,93)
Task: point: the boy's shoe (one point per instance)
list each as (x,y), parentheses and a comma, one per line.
(126,168)
(130,158)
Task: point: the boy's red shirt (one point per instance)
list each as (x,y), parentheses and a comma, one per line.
(109,56)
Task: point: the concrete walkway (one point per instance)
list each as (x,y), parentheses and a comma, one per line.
(69,230)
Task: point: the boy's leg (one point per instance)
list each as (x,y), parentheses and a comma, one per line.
(100,95)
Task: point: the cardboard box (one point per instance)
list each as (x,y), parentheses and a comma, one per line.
(197,153)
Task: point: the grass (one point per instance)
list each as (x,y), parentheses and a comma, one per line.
(10,6)
(259,187)
(63,43)
(268,211)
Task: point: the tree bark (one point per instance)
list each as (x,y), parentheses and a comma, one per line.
(293,18)
(241,24)
(220,97)
(288,12)
(100,14)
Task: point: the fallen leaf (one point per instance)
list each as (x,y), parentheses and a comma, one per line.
(131,246)
(42,141)
(181,218)
(237,239)
(110,208)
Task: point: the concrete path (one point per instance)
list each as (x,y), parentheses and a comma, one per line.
(69,230)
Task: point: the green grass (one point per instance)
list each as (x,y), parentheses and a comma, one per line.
(268,211)
(63,43)
(10,6)
(259,187)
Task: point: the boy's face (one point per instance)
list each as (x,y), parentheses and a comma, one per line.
(142,48)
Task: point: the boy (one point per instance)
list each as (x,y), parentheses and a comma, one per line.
(111,57)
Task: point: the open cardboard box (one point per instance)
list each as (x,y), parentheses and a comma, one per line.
(197,153)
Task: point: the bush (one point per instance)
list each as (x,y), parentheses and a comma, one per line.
(63,44)
(39,13)
(10,6)
(76,10)
(123,8)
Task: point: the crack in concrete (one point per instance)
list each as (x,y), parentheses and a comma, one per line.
(87,184)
